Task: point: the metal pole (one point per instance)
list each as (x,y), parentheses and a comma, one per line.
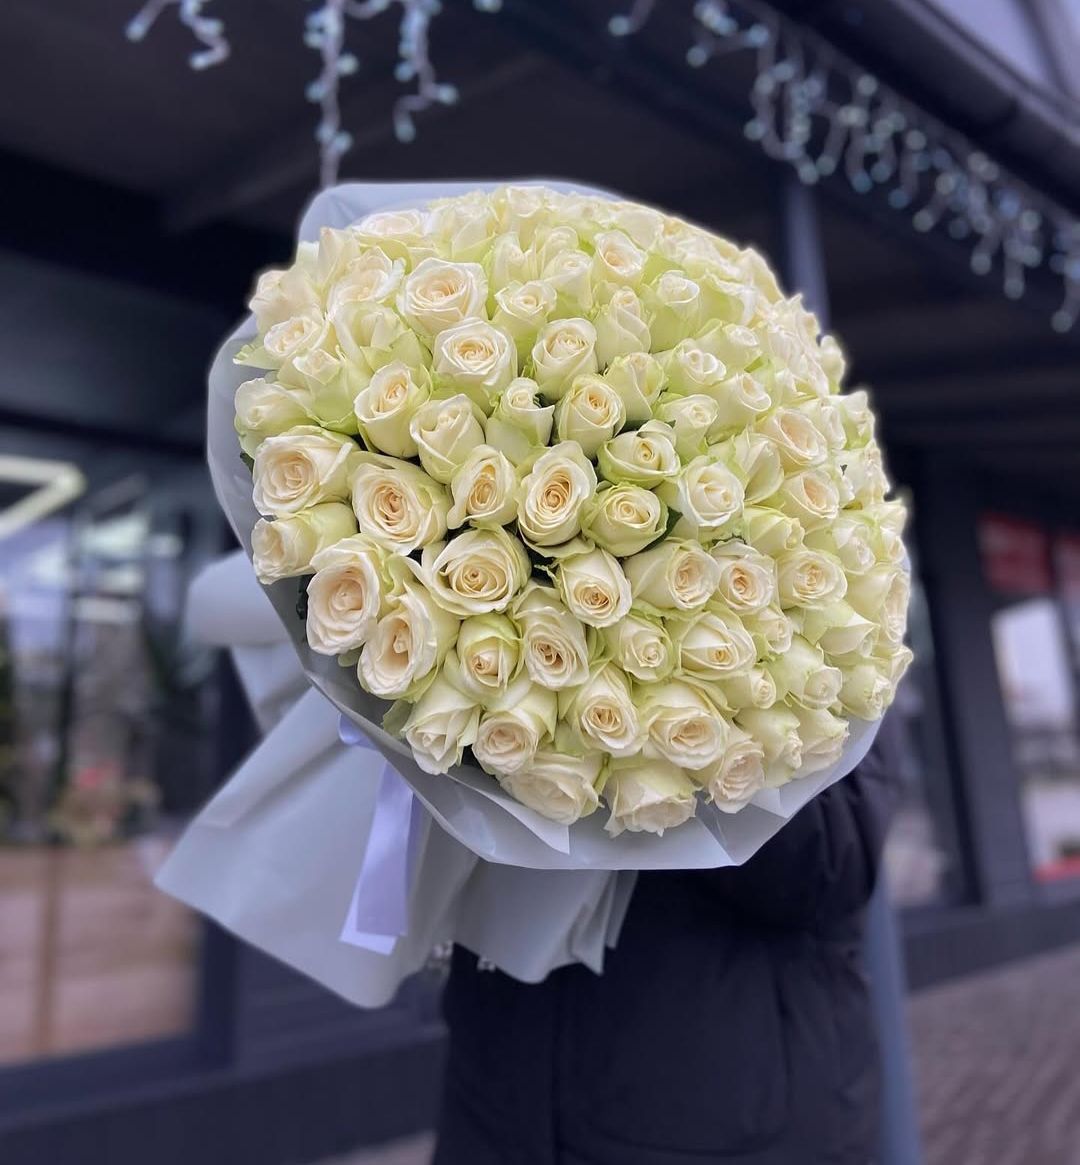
(803,261)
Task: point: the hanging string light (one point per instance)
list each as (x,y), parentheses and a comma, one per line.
(210,33)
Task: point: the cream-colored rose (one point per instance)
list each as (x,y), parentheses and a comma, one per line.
(856,416)
(553,493)
(803,677)
(809,578)
(407,646)
(692,369)
(832,359)
(691,418)
(464,227)
(623,519)
(756,461)
(828,420)
(396,232)
(620,327)
(446,432)
(707,495)
(564,350)
(638,378)
(849,539)
(475,358)
(285,547)
(553,646)
(732,782)
(747,578)
(740,400)
(489,652)
(770,531)
(570,272)
(372,277)
(811,497)
(514,726)
(590,413)
(883,595)
(476,572)
(386,407)
(864,475)
(439,294)
(558,785)
(641,646)
(519,427)
(292,338)
(771,631)
(522,309)
(396,504)
(616,259)
(675,307)
(776,729)
(711,645)
(485,490)
(593,587)
(281,295)
(371,335)
(647,795)
(327,386)
(682,725)
(265,408)
(440,725)
(823,737)
(346,596)
(840,631)
(601,712)
(675,575)
(797,440)
(866,691)
(300,468)
(750,689)
(646,456)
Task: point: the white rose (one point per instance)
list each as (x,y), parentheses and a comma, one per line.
(675,309)
(740,400)
(737,347)
(864,475)
(485,490)
(292,337)
(641,646)
(476,572)
(518,426)
(601,713)
(623,519)
(882,595)
(553,645)
(489,652)
(590,413)
(407,646)
(638,378)
(371,335)
(733,781)
(620,327)
(832,359)
(386,407)
(394,231)
(840,631)
(771,631)
(712,645)
(593,587)
(769,531)
(564,350)
(616,259)
(750,689)
(300,468)
(809,578)
(776,729)
(756,461)
(281,295)
(346,596)
(371,278)
(675,575)
(570,272)
(691,369)
(803,677)
(474,357)
(285,547)
(691,418)
(265,408)
(747,579)
(464,226)
(647,795)
(682,725)
(514,726)
(396,504)
(553,493)
(707,495)
(849,539)
(797,440)
(823,737)
(828,420)
(856,417)
(445,432)
(558,785)
(811,497)
(522,309)
(439,294)
(646,456)
(440,725)
(866,691)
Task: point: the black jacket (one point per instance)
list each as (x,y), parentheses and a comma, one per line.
(731,1023)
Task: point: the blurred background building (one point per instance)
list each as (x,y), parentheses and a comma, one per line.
(913,165)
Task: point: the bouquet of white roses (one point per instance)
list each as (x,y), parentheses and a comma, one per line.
(562,507)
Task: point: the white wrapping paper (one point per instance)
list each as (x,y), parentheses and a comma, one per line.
(276,855)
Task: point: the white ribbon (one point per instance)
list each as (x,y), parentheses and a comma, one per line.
(379,911)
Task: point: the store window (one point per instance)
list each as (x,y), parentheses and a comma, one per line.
(1036,666)
(104,748)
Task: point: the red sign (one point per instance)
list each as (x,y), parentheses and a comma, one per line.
(1015,555)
